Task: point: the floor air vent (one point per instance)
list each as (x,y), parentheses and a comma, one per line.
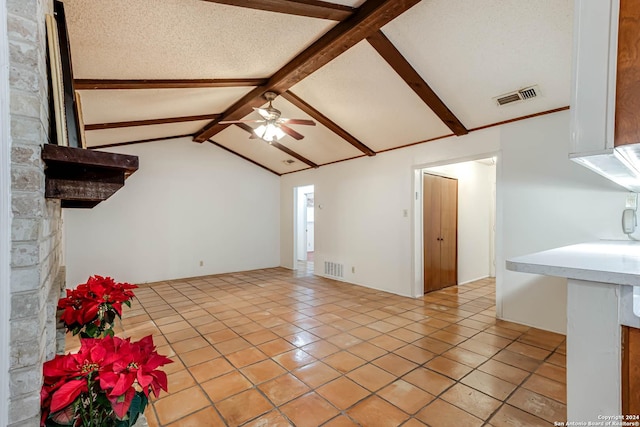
(519,95)
(333,269)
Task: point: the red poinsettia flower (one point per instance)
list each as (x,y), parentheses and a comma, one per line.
(66,376)
(138,362)
(95,303)
(121,404)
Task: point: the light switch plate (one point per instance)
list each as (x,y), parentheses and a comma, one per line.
(632,201)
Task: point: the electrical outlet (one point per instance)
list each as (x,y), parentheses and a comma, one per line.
(353,269)
(201,263)
(405,213)
(632,201)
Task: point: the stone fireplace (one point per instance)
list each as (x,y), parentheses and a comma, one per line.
(37,277)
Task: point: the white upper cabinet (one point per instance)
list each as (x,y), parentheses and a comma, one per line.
(598,72)
(594,75)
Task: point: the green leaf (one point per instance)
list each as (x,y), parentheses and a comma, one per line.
(136,408)
(91,331)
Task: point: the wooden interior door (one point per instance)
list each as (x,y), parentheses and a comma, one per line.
(440,231)
(431,198)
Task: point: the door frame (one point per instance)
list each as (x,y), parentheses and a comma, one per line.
(296,223)
(443,176)
(5,216)
(417,259)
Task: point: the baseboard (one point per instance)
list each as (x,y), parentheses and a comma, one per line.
(473,280)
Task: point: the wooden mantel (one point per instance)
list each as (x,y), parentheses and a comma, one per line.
(83,178)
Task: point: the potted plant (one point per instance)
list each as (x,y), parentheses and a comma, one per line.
(107,382)
(91,308)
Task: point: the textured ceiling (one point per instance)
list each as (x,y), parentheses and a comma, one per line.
(361,93)
(470,54)
(107,106)
(182,39)
(466,52)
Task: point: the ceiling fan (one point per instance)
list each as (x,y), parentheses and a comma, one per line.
(273,127)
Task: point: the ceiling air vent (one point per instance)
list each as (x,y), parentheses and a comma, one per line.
(519,95)
(288,161)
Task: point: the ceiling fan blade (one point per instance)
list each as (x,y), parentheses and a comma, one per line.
(299,122)
(264,113)
(229,122)
(292,133)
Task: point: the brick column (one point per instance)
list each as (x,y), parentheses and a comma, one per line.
(36,229)
(5,215)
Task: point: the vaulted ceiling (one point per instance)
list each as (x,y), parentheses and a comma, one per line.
(375,75)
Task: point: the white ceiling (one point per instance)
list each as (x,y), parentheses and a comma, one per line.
(182,39)
(470,52)
(360,92)
(467,51)
(107,106)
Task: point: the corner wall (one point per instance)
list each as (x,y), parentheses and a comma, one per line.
(36,225)
(546,201)
(187,203)
(543,201)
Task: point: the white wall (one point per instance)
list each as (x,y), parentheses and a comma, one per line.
(187,203)
(359,216)
(543,199)
(546,201)
(475,205)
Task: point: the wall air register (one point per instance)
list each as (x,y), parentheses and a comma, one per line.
(333,269)
(518,95)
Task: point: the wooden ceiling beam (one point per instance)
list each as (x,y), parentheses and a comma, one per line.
(308,8)
(134,123)
(141,141)
(93,84)
(280,147)
(243,157)
(394,58)
(367,19)
(327,122)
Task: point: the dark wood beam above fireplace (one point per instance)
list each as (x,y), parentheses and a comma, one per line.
(83,178)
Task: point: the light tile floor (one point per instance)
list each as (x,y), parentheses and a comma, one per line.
(277,347)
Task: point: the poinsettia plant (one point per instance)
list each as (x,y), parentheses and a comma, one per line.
(105,384)
(91,308)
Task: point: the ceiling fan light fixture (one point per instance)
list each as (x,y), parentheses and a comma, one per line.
(269,132)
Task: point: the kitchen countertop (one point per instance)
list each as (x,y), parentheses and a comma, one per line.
(606,261)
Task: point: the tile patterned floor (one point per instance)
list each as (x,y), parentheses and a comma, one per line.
(278,348)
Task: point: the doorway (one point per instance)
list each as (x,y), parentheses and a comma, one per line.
(476,217)
(304,231)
